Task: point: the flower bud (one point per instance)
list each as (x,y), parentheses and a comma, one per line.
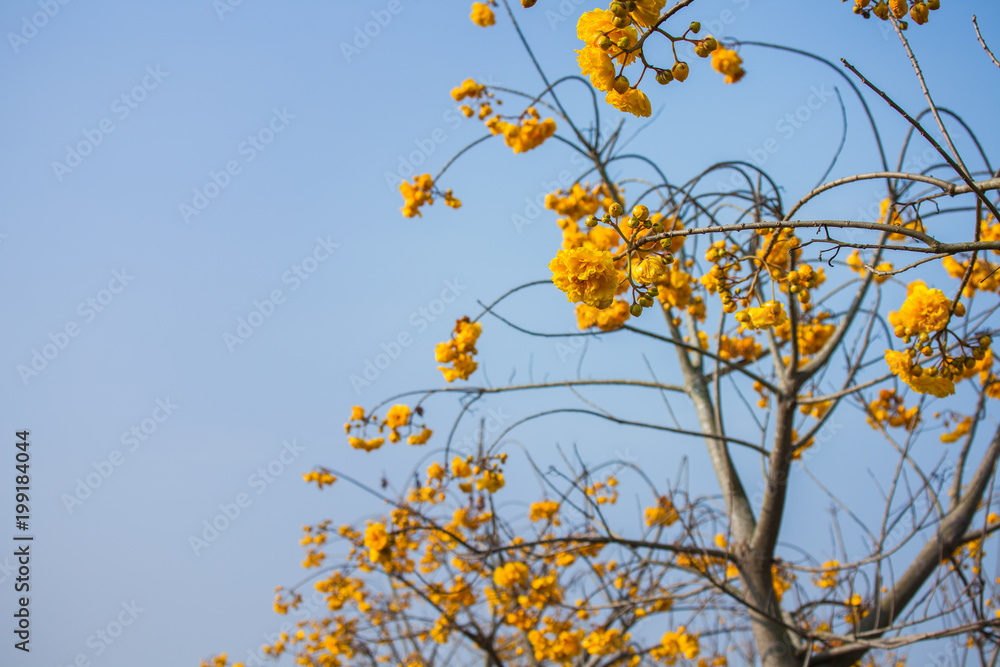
(640,212)
(604,43)
(591,221)
(616,210)
(636,310)
(619,9)
(680,71)
(711,43)
(621,84)
(528,3)
(695,27)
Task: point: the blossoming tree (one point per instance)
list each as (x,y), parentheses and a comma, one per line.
(755,300)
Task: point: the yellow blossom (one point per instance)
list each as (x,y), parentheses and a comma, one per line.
(585,275)
(633,100)
(901,365)
(399,415)
(924,311)
(728,63)
(482,15)
(767,316)
(420,438)
(597,64)
(609,319)
(470,89)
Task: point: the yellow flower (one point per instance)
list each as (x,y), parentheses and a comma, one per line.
(647,12)
(924,311)
(367,445)
(510,575)
(377,540)
(399,415)
(357,412)
(585,275)
(901,365)
(961,428)
(460,467)
(416,194)
(632,100)
(597,64)
(420,438)
(482,15)
(597,23)
(728,62)
(545,509)
(609,319)
(435,472)
(470,89)
(828,579)
(769,315)
(491,481)
(664,514)
(527,134)
(459,350)
(674,644)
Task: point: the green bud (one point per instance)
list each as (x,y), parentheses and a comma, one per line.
(663,77)
(636,310)
(695,27)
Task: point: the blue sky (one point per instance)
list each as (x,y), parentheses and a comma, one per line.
(180,176)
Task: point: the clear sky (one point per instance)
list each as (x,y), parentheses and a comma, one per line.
(201,246)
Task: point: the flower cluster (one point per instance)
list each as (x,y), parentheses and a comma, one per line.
(482,15)
(459,350)
(397,421)
(421,192)
(613,40)
(923,322)
(526,134)
(919,11)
